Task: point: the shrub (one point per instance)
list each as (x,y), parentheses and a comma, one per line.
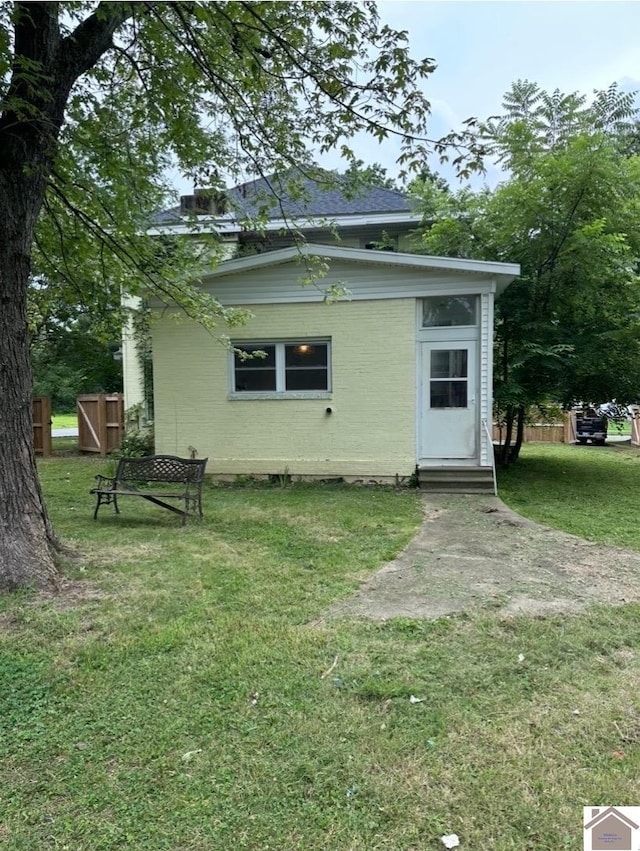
(137,442)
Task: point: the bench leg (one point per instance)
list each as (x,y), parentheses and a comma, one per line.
(105,499)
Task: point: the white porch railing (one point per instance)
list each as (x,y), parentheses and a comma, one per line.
(492,455)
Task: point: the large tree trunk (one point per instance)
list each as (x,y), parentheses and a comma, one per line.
(28,134)
(26,536)
(44,70)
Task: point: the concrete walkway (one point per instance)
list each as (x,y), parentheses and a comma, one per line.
(474,553)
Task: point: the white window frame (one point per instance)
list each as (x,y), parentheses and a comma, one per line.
(279,392)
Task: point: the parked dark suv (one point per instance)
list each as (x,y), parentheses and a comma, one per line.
(590,425)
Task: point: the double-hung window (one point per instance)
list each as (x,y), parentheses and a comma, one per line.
(297,368)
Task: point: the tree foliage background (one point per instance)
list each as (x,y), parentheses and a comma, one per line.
(98,100)
(568,210)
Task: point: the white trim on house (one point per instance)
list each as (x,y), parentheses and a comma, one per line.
(473,337)
(229,225)
(486,374)
(503,273)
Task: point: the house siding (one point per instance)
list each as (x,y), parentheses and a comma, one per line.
(369,434)
(282,283)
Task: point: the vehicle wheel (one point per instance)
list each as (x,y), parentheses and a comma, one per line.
(600,442)
(582,441)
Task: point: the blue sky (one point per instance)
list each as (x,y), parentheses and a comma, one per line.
(482,47)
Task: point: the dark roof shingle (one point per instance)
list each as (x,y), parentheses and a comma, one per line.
(314,201)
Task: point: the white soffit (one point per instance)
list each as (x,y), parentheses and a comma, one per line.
(228,225)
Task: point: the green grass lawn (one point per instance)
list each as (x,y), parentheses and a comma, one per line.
(591,491)
(622,427)
(188,695)
(69,420)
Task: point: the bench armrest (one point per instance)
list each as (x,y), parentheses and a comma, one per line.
(108,481)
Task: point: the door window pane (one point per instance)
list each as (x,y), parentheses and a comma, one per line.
(446,311)
(448,385)
(448,394)
(449,363)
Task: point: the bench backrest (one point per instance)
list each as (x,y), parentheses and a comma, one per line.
(161,468)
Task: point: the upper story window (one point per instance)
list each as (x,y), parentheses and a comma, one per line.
(300,367)
(449,310)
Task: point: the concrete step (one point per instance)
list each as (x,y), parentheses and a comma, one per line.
(456,479)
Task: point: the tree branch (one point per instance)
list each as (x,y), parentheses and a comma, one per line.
(93,37)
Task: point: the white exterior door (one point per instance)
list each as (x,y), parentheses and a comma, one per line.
(448,389)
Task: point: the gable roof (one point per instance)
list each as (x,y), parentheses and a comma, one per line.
(289,275)
(314,202)
(504,273)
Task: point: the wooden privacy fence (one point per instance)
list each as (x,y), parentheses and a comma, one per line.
(41,409)
(100,422)
(566,433)
(546,433)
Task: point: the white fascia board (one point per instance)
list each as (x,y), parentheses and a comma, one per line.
(501,272)
(229,226)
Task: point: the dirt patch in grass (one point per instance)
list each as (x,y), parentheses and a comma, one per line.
(69,594)
(474,552)
(94,554)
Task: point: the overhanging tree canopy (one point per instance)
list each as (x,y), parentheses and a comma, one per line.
(568,212)
(98,99)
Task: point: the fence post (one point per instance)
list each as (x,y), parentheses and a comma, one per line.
(102,423)
(569,435)
(635,427)
(114,421)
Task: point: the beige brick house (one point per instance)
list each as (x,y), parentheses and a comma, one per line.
(394,376)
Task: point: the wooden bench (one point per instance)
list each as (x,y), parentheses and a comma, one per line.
(137,476)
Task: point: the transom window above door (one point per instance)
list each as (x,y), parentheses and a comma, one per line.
(449,311)
(281,368)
